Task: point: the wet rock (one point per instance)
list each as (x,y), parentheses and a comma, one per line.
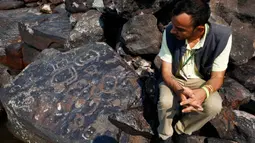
(234,125)
(244,74)
(10,4)
(29,54)
(75,6)
(67,97)
(234,94)
(49,31)
(87,29)
(136,37)
(132,122)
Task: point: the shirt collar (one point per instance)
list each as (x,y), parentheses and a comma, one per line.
(201,41)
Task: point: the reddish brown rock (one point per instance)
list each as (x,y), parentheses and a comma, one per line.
(235,125)
(234,94)
(13,58)
(29,54)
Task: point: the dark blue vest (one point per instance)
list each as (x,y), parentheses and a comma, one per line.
(215,42)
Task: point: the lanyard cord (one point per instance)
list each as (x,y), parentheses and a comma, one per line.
(192,54)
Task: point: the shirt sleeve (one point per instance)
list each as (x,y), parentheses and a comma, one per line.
(221,62)
(164,52)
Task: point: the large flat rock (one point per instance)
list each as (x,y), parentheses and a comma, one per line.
(67,97)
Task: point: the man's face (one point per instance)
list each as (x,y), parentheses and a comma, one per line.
(182,26)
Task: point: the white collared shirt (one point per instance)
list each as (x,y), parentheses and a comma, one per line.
(189,70)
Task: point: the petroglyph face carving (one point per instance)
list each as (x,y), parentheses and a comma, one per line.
(65,76)
(88,57)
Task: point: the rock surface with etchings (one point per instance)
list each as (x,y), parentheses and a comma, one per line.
(67,97)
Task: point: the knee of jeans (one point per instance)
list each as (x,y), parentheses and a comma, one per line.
(165,103)
(213,108)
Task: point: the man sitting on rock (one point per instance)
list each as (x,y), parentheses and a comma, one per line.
(194,56)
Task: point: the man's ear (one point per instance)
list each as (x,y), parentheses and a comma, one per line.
(200,28)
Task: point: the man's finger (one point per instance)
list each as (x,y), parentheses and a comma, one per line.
(183,97)
(188,109)
(197,106)
(188,101)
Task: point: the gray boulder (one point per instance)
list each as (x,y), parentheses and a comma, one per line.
(86,30)
(141,35)
(239,16)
